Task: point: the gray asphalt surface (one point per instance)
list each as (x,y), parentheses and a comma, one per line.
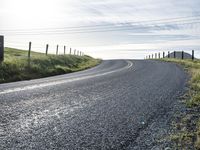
(105,107)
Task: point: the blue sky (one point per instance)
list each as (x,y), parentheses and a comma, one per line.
(102,28)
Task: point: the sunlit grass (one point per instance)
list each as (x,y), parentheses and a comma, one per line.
(16,67)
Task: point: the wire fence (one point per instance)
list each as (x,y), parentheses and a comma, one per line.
(174,54)
(58,50)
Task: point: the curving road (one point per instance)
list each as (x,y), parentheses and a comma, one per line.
(105,107)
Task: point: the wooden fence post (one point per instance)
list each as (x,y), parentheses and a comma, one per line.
(57,50)
(174,54)
(192,54)
(29,54)
(182,55)
(168,54)
(47,47)
(64,49)
(1,49)
(163,54)
(29,50)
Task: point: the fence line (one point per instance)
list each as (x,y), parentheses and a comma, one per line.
(171,55)
(78,53)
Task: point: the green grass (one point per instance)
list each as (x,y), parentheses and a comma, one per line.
(193,68)
(189,125)
(16,67)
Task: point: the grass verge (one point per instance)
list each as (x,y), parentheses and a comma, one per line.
(16,66)
(187,134)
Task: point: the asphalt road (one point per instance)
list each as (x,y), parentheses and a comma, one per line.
(105,107)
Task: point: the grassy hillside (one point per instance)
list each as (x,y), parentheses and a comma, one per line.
(16,67)
(188,135)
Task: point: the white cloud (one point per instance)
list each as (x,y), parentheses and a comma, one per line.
(36,14)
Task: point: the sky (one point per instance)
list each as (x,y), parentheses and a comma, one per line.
(107,29)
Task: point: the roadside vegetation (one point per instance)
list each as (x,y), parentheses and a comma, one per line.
(16,66)
(187,134)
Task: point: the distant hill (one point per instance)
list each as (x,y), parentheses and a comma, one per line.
(179,55)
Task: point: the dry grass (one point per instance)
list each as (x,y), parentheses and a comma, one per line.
(16,66)
(189,125)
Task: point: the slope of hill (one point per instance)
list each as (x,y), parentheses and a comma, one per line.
(16,66)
